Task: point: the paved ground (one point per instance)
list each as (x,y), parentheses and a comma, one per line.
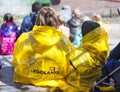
(104,7)
(6,79)
(6,75)
(114,37)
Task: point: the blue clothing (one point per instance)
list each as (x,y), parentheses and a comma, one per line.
(113,63)
(8,29)
(109,67)
(28,23)
(78,38)
(67,13)
(8,37)
(75,31)
(115,53)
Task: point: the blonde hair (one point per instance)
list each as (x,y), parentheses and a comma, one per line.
(96,17)
(76,12)
(47,17)
(61,19)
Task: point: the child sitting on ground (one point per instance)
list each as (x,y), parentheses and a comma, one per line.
(8,35)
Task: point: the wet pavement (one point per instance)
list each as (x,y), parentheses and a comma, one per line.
(6,74)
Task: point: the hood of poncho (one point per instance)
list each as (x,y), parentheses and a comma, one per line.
(46,36)
(96,39)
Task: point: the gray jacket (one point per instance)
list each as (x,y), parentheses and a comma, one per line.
(74,25)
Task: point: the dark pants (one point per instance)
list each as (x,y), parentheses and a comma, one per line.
(111,66)
(115,53)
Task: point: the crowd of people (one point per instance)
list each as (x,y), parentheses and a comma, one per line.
(58,50)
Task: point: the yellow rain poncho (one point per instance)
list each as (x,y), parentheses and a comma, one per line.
(41,58)
(88,60)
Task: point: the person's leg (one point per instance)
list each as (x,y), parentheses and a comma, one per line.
(109,66)
(105,72)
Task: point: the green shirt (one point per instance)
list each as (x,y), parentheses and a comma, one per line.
(44,1)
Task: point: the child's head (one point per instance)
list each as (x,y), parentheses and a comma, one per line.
(76,13)
(36,6)
(8,17)
(47,17)
(96,17)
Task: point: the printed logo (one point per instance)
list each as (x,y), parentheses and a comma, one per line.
(51,71)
